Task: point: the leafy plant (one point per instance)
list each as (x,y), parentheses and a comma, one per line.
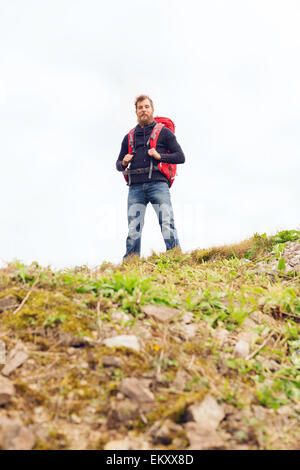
(285,236)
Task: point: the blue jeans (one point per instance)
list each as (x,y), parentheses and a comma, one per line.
(139,195)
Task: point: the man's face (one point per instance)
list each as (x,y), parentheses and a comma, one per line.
(144,112)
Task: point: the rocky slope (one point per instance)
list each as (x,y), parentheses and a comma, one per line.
(195,350)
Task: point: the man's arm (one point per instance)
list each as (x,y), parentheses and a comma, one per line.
(123,153)
(176,154)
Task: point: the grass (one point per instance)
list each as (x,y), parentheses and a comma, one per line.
(222,292)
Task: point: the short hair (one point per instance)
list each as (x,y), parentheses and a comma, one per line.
(142,98)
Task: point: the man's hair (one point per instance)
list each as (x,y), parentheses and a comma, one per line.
(142,98)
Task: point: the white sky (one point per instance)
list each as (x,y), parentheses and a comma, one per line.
(227,72)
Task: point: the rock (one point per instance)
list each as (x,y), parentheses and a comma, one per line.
(126,341)
(291,258)
(2,353)
(202,440)
(164,433)
(69,340)
(122,412)
(187,317)
(249,337)
(121,317)
(16,357)
(249,323)
(112,361)
(7,303)
(241,349)
(222,335)
(208,414)
(127,444)
(136,390)
(259,412)
(188,331)
(161,313)
(286,411)
(15,436)
(7,390)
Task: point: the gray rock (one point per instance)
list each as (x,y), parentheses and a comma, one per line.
(249,337)
(291,258)
(188,331)
(120,317)
(136,390)
(241,349)
(208,414)
(221,334)
(15,436)
(122,412)
(164,433)
(249,323)
(7,390)
(16,357)
(126,341)
(187,317)
(202,440)
(161,313)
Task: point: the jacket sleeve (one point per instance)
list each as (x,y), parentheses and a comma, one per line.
(176,154)
(123,152)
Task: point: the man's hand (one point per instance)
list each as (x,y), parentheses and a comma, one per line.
(127,159)
(153,153)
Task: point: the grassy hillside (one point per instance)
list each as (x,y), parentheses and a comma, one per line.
(208,355)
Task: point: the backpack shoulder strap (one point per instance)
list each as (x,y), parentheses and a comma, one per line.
(154,135)
(131,141)
(153,141)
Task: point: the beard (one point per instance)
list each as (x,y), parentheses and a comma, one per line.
(145,120)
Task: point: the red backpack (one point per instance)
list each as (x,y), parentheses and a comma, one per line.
(168,169)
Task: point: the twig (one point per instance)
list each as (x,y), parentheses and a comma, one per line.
(26,296)
(152,264)
(48,352)
(191,363)
(99,322)
(250,356)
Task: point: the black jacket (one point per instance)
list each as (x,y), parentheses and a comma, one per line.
(166,142)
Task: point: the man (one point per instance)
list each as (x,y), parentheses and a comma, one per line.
(146,186)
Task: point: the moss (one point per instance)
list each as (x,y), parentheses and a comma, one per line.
(192,348)
(52,310)
(56,441)
(175,408)
(32,397)
(100,443)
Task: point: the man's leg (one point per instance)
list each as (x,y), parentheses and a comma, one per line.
(159,196)
(136,208)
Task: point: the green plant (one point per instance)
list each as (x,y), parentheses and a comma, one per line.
(285,236)
(55,320)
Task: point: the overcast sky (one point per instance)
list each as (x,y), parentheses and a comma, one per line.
(227,72)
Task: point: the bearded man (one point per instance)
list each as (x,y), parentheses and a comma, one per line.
(146,182)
